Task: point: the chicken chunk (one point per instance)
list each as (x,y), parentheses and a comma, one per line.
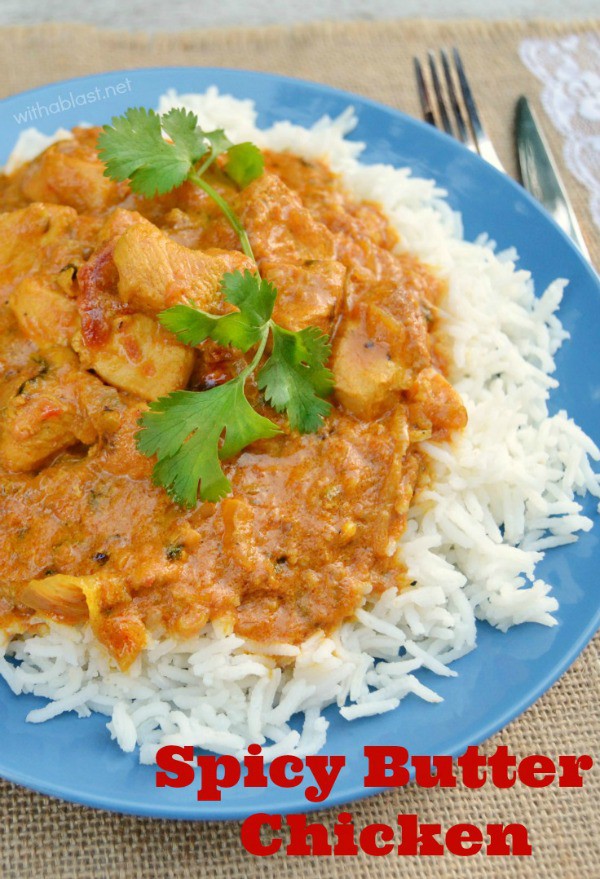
(366,378)
(15,351)
(55,409)
(155,272)
(33,238)
(296,253)
(136,272)
(45,314)
(139,356)
(380,348)
(118,221)
(435,407)
(98,301)
(279,227)
(307,295)
(70,173)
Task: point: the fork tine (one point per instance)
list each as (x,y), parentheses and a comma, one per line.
(482,141)
(464,132)
(437,87)
(467,95)
(424,95)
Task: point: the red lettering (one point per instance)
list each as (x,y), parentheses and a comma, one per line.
(500,762)
(325,771)
(182,770)
(278,767)
(254,763)
(498,844)
(344,834)
(212,780)
(470,763)
(536,765)
(368,839)
(250,834)
(300,830)
(386,766)
(571,768)
(424,775)
(418,839)
(464,839)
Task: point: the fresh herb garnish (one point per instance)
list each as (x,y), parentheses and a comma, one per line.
(174,551)
(134,149)
(191,432)
(242,329)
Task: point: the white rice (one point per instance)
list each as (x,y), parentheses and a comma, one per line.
(504,493)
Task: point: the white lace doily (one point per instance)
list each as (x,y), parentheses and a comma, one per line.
(570,71)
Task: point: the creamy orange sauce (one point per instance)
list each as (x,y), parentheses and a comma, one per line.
(85,266)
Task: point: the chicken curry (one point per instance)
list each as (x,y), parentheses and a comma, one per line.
(311,522)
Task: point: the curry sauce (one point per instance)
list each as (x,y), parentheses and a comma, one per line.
(312,521)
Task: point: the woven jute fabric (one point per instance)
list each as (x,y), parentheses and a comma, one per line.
(42,837)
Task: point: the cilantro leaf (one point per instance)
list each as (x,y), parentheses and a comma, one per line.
(191,325)
(253,296)
(184,430)
(295,377)
(218,140)
(191,432)
(182,127)
(244,163)
(134,149)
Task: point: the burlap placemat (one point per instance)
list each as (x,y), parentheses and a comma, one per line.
(41,837)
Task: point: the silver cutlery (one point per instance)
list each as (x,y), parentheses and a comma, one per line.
(540,175)
(469,130)
(447,102)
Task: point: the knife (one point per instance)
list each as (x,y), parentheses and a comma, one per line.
(540,175)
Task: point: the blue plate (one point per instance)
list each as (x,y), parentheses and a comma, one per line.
(74,759)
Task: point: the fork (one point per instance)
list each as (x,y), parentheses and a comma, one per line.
(435,102)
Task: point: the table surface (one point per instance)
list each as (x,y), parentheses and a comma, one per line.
(156,15)
(46,838)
